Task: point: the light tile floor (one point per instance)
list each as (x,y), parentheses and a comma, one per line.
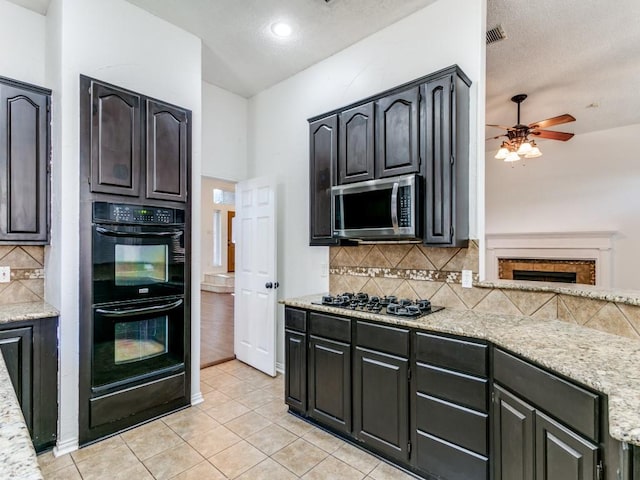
(242,430)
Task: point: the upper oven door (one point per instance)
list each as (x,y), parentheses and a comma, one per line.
(137,262)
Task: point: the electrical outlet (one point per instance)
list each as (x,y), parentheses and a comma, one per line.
(324,270)
(467,279)
(5,274)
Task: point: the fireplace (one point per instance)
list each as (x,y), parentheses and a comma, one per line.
(587,254)
(548,270)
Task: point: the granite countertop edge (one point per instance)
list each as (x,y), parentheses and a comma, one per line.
(18,312)
(17,456)
(628,297)
(601,361)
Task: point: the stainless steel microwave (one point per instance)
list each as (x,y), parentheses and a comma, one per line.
(385,209)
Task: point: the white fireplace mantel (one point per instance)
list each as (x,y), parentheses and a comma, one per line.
(596,246)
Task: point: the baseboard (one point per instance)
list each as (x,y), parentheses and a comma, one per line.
(196,398)
(67,446)
(280,367)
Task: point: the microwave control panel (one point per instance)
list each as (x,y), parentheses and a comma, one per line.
(136,214)
(404,210)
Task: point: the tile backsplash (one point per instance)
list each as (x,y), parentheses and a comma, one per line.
(416,271)
(27,274)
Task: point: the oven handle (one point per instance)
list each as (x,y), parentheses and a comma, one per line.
(131,311)
(116,233)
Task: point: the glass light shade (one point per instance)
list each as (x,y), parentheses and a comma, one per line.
(512,157)
(502,153)
(534,153)
(281,29)
(525,147)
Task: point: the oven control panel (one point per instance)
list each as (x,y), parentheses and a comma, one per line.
(126,213)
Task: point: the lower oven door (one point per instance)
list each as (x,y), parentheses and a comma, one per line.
(136,342)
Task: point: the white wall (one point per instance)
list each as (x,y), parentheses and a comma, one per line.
(591,183)
(121,44)
(445,33)
(22,36)
(224,134)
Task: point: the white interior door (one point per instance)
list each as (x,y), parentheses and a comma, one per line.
(255,283)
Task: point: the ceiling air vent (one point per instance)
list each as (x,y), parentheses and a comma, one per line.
(495,35)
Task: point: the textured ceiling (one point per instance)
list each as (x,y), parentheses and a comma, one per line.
(38,6)
(565,55)
(241,55)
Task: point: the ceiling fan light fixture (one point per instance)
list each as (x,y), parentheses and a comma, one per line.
(503,152)
(512,157)
(534,152)
(524,148)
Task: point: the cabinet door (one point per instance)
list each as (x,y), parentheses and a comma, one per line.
(167,152)
(439,161)
(323,158)
(397,127)
(295,373)
(24,164)
(45,383)
(329,383)
(16,348)
(355,161)
(513,437)
(381,402)
(115,141)
(561,454)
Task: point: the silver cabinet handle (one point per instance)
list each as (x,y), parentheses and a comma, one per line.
(394,207)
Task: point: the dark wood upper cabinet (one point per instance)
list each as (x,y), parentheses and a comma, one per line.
(445,135)
(24,163)
(323,158)
(115,141)
(166,152)
(397,134)
(356,157)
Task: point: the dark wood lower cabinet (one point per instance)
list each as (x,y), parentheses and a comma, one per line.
(330,383)
(514,437)
(381,402)
(30,352)
(295,388)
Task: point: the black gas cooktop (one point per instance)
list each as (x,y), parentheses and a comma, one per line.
(390,305)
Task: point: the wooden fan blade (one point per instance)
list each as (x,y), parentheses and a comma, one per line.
(500,126)
(550,134)
(550,122)
(493,138)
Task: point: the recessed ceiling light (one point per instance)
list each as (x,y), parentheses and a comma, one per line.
(281,29)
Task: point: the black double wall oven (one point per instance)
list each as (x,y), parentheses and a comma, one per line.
(138,307)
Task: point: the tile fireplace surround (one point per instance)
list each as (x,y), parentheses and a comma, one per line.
(415,271)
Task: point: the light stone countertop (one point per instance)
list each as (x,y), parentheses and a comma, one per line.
(16,312)
(607,363)
(629,297)
(17,457)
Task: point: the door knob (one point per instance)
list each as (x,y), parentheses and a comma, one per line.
(268,285)
(276,285)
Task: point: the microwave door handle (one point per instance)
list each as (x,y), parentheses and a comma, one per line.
(394,207)
(116,233)
(130,311)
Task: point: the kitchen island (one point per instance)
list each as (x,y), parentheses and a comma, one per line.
(601,362)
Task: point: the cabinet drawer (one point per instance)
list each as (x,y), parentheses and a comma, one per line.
(461,426)
(383,338)
(327,326)
(576,407)
(461,355)
(446,460)
(295,319)
(453,386)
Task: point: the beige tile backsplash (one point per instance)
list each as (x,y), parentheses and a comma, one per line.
(415,271)
(27,274)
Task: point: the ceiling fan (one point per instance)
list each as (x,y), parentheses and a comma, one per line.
(518,143)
